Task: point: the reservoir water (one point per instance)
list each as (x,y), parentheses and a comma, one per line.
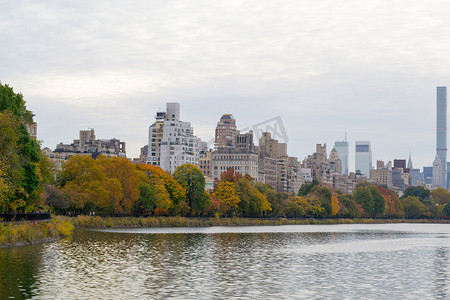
(387,261)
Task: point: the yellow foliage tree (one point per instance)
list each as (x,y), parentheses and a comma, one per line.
(126,174)
(334,204)
(226,192)
(86,185)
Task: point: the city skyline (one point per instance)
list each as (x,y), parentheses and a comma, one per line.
(325,68)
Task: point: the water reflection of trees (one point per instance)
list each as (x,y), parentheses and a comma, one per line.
(19,268)
(441,273)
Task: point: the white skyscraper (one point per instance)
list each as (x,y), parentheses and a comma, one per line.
(171,141)
(363,157)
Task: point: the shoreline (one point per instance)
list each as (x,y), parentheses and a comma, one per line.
(32,232)
(162,222)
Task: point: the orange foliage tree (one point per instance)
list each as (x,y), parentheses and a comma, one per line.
(392,203)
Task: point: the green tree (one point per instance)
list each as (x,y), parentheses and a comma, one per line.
(447,209)
(324,195)
(19,152)
(306,187)
(176,192)
(253,202)
(347,206)
(418,191)
(363,196)
(296,207)
(413,208)
(378,199)
(273,197)
(192,180)
(440,196)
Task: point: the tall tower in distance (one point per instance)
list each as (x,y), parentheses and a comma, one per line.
(441,130)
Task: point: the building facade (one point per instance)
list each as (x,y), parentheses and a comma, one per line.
(171,141)
(88,144)
(343,150)
(226,131)
(363,158)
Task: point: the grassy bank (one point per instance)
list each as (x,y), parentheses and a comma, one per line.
(29,232)
(99,222)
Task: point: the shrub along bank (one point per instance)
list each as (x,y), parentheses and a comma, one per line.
(29,232)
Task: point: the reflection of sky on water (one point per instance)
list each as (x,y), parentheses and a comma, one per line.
(389,261)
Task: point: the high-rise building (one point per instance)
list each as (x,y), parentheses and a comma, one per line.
(441,132)
(400,164)
(335,162)
(437,173)
(427,176)
(363,157)
(171,141)
(382,175)
(226,132)
(342,149)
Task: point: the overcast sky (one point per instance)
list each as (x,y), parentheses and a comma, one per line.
(368,68)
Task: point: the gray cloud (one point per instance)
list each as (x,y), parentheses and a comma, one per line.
(326,67)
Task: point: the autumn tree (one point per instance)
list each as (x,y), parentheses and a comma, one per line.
(324,195)
(230,176)
(125,172)
(47,171)
(176,191)
(297,206)
(19,153)
(273,197)
(192,180)
(88,188)
(253,202)
(392,202)
(440,196)
(334,204)
(370,200)
(226,193)
(347,206)
(25,147)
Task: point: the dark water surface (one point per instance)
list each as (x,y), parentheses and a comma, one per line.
(388,261)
